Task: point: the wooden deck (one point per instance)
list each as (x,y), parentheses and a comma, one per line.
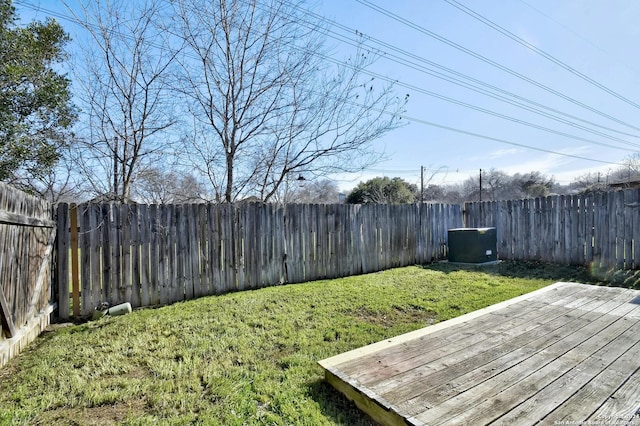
(565,354)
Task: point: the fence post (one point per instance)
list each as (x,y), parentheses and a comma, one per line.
(62,264)
(73,216)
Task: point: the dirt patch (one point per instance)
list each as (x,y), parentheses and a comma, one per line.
(406,315)
(138,372)
(8,370)
(58,325)
(101,415)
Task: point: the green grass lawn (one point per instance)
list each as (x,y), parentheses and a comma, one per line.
(243,358)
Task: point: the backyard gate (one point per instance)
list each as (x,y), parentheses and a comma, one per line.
(27,236)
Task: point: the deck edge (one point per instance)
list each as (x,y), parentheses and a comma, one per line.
(384,344)
(365,400)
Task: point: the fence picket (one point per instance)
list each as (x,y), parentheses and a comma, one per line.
(579,212)
(193,279)
(162,237)
(172,279)
(228,280)
(145,257)
(215,252)
(62,270)
(182,264)
(634,210)
(95,241)
(627,234)
(152,255)
(125,290)
(589,229)
(600,230)
(567,226)
(135,255)
(84,246)
(205,241)
(619,230)
(611,214)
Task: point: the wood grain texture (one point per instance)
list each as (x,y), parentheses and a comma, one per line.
(565,352)
(62,268)
(8,327)
(27,237)
(157,255)
(150,255)
(600,230)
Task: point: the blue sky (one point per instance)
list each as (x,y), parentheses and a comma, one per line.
(598,38)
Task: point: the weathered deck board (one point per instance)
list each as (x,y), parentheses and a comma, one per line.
(568,352)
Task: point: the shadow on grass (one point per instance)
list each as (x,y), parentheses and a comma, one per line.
(547,271)
(336,407)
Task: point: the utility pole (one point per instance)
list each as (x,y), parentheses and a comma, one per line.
(420,230)
(481,185)
(115,167)
(421,184)
(481,194)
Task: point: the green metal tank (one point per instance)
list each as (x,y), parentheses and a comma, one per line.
(472,245)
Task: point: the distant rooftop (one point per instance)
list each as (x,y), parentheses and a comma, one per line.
(632,181)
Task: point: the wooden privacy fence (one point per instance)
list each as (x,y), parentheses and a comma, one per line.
(159,254)
(601,230)
(27,236)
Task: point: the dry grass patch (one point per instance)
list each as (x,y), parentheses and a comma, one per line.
(93,416)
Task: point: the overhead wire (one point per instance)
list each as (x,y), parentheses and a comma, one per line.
(537,50)
(488,61)
(505,99)
(478,108)
(402,61)
(339,37)
(462,77)
(479,135)
(408,118)
(486,137)
(504,141)
(581,37)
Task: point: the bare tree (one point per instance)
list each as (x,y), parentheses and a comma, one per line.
(156,186)
(61,184)
(321,191)
(531,185)
(499,185)
(124,93)
(628,172)
(267,100)
(589,182)
(434,193)
(55,184)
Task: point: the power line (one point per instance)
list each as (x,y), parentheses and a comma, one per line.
(460,82)
(577,34)
(481,136)
(483,110)
(486,60)
(402,61)
(339,37)
(504,141)
(455,80)
(537,50)
(408,118)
